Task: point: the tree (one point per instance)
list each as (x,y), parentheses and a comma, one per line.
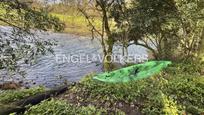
(150,25)
(19,44)
(121,16)
(171,29)
(201,47)
(107,39)
(191,18)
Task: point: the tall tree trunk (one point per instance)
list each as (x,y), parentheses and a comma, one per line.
(201,47)
(108,65)
(166,50)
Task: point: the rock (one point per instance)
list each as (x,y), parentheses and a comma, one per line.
(10,85)
(120,105)
(73,83)
(20,82)
(132,105)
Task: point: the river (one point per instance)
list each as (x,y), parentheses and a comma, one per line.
(49,72)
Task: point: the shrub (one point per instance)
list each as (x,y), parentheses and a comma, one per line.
(185,68)
(188,92)
(160,104)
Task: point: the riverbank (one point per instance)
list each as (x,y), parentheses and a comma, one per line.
(77,24)
(176,90)
(74,24)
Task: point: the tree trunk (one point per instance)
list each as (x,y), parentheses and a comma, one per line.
(108,65)
(201,47)
(154,52)
(20,106)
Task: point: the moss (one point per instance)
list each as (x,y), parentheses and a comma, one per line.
(14,95)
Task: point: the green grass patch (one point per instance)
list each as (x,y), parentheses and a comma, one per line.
(8,96)
(77,24)
(60,107)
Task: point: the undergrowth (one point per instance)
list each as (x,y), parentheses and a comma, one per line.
(173,91)
(60,107)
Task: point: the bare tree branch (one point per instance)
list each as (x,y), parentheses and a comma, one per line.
(90,22)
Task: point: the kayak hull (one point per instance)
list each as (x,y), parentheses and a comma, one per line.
(133,73)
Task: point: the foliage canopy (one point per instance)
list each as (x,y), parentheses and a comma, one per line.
(18,43)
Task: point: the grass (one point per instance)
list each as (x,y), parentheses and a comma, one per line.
(14,95)
(76,24)
(61,107)
(2,24)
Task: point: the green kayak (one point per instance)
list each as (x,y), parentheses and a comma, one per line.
(132,73)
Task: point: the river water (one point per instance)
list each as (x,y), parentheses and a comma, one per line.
(51,72)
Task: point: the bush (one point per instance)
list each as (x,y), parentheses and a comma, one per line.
(188,92)
(160,104)
(60,107)
(185,68)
